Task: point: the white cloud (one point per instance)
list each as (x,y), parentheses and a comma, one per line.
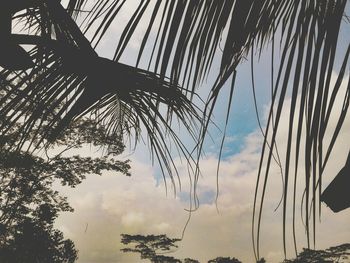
(133,219)
(111,205)
(110,41)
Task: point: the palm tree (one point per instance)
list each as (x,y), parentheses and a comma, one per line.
(70,79)
(63,83)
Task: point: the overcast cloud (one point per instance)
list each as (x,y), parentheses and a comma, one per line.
(108,206)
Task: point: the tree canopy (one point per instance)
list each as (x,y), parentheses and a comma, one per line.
(30,204)
(338,253)
(153,247)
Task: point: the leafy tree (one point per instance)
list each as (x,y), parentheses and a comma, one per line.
(32,238)
(188,38)
(333,254)
(190,260)
(224,260)
(28,203)
(151,247)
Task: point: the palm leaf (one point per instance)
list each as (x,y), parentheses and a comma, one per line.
(70,80)
(185,43)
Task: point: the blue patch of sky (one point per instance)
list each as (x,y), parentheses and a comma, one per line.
(242,120)
(204,197)
(242,116)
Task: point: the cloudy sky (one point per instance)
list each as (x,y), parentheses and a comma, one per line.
(112,204)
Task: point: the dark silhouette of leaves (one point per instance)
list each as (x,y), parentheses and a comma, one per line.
(33,239)
(330,255)
(151,247)
(224,260)
(65,82)
(190,260)
(28,203)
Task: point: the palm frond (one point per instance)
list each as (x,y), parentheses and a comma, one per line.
(70,80)
(307,63)
(186,40)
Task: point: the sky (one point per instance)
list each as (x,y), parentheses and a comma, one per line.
(109,205)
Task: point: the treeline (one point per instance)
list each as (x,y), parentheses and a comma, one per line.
(155,247)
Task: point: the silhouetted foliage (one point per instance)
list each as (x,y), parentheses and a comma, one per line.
(188,41)
(336,195)
(224,260)
(32,239)
(29,204)
(333,254)
(151,247)
(72,80)
(190,260)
